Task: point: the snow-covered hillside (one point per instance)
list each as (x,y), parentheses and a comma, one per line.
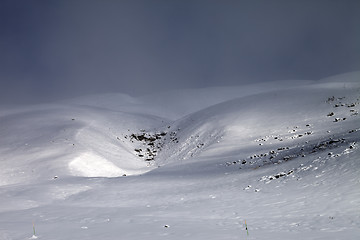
(187,164)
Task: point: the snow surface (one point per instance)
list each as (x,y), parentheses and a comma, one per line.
(187,164)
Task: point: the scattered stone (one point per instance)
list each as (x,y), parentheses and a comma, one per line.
(248,187)
(330,99)
(153,141)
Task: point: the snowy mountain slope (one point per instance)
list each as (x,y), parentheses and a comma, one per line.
(245,123)
(56,140)
(283,158)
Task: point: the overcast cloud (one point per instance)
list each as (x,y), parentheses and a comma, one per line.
(53,49)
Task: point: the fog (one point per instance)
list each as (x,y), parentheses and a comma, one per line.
(51,50)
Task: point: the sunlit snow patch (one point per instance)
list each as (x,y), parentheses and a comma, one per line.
(92,165)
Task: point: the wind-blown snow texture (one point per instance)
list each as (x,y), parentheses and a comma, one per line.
(190,164)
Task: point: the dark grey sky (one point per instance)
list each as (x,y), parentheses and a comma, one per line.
(52,49)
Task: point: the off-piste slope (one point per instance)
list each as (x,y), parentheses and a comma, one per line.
(116,135)
(91,136)
(285,158)
(43,142)
(293,120)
